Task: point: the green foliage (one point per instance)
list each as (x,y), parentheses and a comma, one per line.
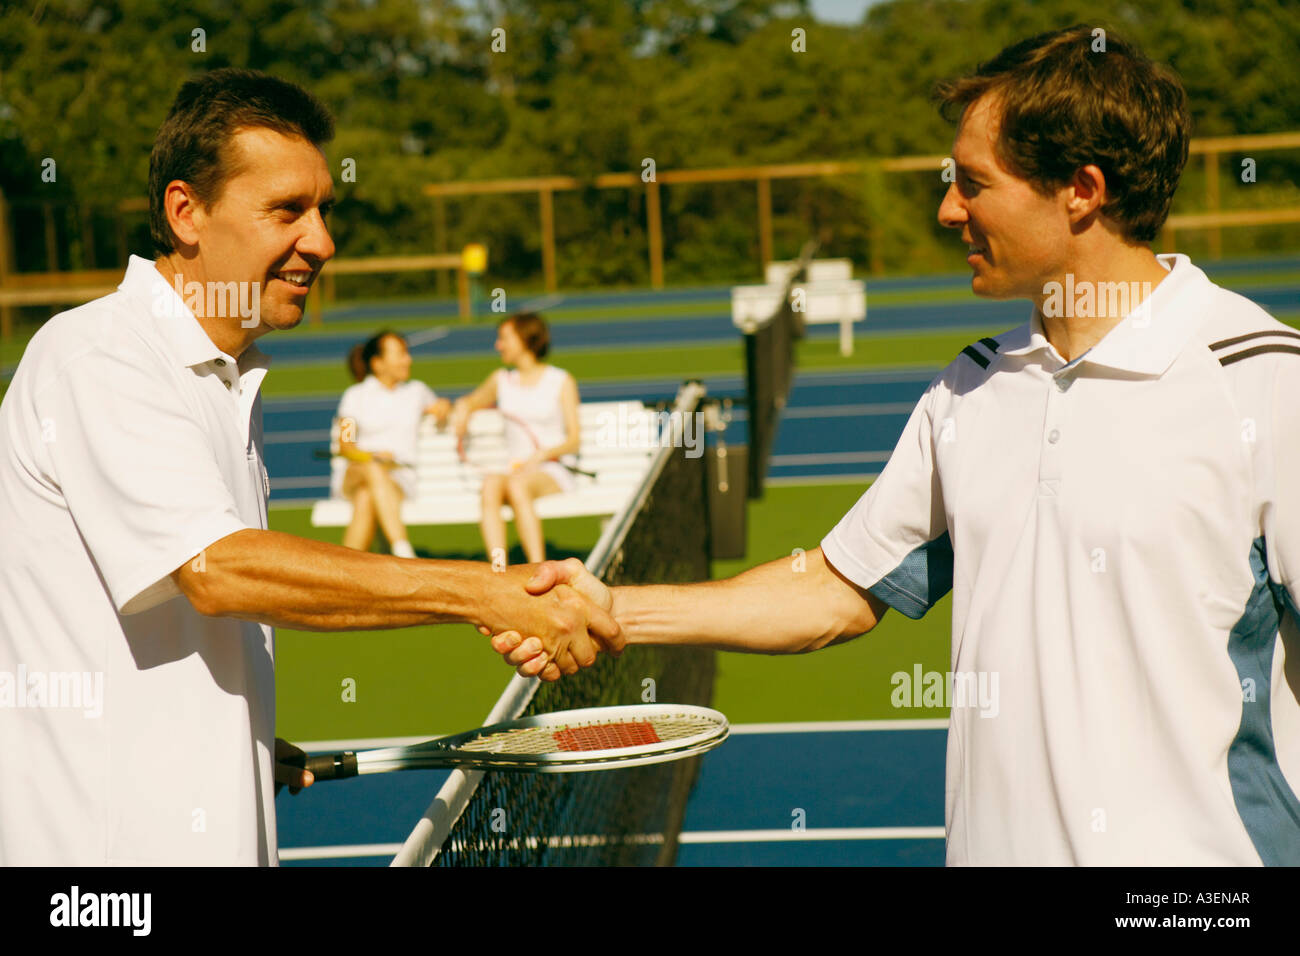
(585,88)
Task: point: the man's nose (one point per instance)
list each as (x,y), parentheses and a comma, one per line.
(952,211)
(316,241)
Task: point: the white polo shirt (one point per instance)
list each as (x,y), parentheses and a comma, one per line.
(128,444)
(387,419)
(1121,535)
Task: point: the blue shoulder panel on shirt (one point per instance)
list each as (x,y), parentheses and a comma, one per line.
(920,580)
(1265,801)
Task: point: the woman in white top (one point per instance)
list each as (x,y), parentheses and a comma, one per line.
(378,424)
(540,405)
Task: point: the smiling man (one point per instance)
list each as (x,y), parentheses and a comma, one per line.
(139,584)
(1108,490)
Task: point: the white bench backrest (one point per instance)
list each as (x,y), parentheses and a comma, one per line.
(819,270)
(618,438)
(834,301)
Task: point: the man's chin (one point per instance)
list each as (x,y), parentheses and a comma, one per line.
(284,318)
(985,288)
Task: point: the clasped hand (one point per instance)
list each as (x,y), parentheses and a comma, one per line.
(574,592)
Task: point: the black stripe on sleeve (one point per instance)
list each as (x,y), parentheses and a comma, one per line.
(971,353)
(1259,350)
(1215,346)
(990,344)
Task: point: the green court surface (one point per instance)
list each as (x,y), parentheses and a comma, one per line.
(429,680)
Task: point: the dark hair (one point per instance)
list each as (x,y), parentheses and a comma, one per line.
(532,329)
(1064,106)
(363,353)
(192,143)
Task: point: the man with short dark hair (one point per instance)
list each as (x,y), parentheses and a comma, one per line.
(1108,490)
(138,583)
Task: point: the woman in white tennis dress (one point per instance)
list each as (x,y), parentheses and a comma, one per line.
(376,432)
(539,403)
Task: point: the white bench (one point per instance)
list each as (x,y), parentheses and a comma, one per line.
(830,294)
(618,441)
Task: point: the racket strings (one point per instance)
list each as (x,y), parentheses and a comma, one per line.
(607,737)
(617,735)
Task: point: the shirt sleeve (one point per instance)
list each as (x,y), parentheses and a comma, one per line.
(424,396)
(138,472)
(894,541)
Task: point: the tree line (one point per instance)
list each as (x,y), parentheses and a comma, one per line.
(435,90)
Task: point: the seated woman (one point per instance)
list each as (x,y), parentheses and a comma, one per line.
(378,424)
(539,403)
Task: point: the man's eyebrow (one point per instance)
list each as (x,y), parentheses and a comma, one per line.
(297,199)
(971,168)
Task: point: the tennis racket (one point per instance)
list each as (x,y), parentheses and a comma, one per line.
(532,437)
(325,454)
(594,738)
(482,456)
(476,459)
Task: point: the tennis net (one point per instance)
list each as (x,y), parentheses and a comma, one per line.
(769,372)
(612,817)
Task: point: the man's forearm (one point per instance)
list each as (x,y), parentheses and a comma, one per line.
(288,581)
(787,606)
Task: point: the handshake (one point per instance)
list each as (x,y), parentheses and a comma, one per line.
(559,626)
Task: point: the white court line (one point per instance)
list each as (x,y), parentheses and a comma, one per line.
(290,437)
(805,836)
(545,302)
(798,480)
(842,411)
(831,458)
(696,838)
(433,335)
(300,481)
(296,504)
(339,852)
(828,726)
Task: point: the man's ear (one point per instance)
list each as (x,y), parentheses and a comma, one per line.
(185,212)
(1087,192)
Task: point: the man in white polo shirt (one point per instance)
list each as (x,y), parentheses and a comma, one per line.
(1107,490)
(138,583)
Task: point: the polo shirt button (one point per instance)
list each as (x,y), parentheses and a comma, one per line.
(1063,383)
(221,363)
(1054,435)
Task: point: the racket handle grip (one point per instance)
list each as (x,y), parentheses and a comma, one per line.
(333,766)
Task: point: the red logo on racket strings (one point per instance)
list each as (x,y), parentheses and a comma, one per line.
(606,736)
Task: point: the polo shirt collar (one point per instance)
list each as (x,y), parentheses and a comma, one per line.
(1148,339)
(185,337)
